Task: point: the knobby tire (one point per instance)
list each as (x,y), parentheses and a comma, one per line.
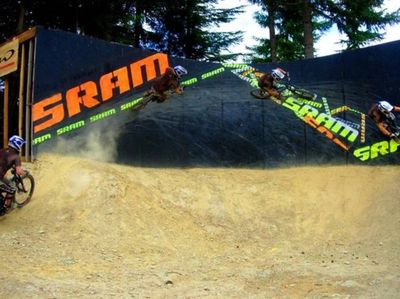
(25,186)
(143,103)
(258,94)
(301,92)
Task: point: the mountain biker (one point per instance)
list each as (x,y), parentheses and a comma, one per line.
(382,114)
(9,157)
(168,81)
(267,81)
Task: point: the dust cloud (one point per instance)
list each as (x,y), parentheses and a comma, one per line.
(100,230)
(98,142)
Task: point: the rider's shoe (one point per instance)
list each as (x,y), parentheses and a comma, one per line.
(146,94)
(8,202)
(5,210)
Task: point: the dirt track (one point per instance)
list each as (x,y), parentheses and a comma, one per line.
(97,230)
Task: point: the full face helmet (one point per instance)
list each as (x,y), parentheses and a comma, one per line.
(16,142)
(180,71)
(279,74)
(386,108)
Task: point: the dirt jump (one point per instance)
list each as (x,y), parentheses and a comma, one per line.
(102,230)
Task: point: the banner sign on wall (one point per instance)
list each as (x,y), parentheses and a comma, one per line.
(9,57)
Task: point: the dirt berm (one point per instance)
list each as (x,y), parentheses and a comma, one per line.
(102,230)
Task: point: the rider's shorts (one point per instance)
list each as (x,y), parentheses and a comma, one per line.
(5,187)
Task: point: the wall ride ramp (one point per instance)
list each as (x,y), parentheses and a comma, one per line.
(85,86)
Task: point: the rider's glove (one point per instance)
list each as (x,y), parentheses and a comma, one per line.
(179,90)
(393,135)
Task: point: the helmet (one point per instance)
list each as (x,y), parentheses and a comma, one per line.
(385,107)
(180,70)
(279,73)
(16,142)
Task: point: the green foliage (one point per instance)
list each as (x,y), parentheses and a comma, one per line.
(8,19)
(182,28)
(288,23)
(362,21)
(179,27)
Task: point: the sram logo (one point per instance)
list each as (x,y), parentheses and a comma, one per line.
(322,122)
(60,106)
(381,148)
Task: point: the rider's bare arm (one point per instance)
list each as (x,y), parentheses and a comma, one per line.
(19,170)
(178,90)
(381,127)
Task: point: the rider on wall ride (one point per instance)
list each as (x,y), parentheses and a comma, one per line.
(9,157)
(168,81)
(384,118)
(274,86)
(268,81)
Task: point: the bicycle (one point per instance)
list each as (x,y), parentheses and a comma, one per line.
(392,127)
(150,96)
(21,187)
(286,90)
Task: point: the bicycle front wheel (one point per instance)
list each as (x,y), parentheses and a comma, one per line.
(305,94)
(24,189)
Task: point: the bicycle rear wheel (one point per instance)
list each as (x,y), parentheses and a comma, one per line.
(24,186)
(259,94)
(305,94)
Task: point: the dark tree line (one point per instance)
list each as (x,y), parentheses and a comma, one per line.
(177,27)
(183,28)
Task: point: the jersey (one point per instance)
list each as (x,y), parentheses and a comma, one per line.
(266,81)
(8,159)
(167,81)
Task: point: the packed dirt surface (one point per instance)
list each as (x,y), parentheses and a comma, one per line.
(102,230)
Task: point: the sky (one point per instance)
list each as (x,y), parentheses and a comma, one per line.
(326,45)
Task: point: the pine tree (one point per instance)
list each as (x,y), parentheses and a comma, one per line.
(360,20)
(285,23)
(182,28)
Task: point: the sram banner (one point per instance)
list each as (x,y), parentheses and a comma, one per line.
(332,128)
(63,105)
(9,57)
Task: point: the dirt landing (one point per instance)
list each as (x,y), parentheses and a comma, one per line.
(97,230)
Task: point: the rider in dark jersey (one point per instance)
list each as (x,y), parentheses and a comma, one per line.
(169,80)
(9,157)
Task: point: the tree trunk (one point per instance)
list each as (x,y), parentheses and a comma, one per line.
(308,30)
(138,27)
(21,18)
(271,27)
